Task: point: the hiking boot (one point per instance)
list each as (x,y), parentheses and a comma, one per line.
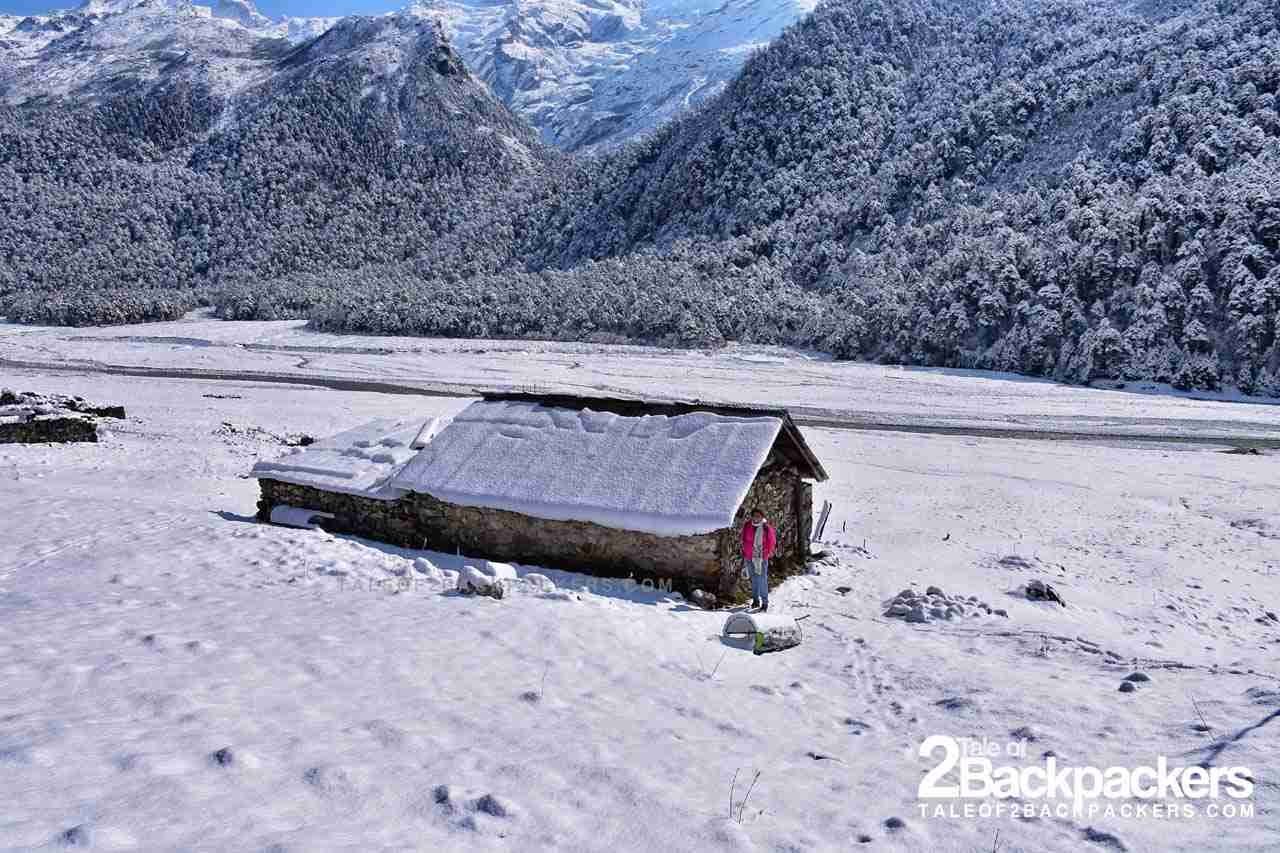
(764,608)
(755,604)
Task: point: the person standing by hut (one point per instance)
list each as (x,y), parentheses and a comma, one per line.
(759,538)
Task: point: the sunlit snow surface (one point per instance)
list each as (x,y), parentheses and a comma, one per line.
(147,623)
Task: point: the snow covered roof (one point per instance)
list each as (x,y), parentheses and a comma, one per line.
(360,461)
(674,474)
(791,442)
(671,469)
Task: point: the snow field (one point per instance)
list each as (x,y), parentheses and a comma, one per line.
(176,676)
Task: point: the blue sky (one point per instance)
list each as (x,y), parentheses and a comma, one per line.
(267,7)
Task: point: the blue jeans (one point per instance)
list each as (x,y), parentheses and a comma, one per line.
(759,582)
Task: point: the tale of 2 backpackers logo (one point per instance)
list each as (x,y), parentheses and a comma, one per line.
(1050,789)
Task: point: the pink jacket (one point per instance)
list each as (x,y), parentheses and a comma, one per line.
(749,540)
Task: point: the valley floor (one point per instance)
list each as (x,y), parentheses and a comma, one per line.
(147,623)
(814,386)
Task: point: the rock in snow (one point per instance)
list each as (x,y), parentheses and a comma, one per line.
(428,569)
(499,571)
(1038,590)
(496,806)
(934,605)
(472,581)
(704,599)
(76,836)
(540,582)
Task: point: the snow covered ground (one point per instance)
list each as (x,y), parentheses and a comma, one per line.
(175,676)
(810,384)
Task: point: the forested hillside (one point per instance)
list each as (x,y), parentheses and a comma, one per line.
(1072,189)
(362,146)
(1076,189)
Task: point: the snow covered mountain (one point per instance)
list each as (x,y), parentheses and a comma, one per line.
(595,73)
(242,154)
(585,73)
(106,47)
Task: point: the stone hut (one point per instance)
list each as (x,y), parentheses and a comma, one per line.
(30,418)
(605,486)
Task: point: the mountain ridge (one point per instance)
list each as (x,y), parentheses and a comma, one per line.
(587,75)
(593,75)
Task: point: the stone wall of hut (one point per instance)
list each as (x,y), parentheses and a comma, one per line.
(787,501)
(711,561)
(421,521)
(48,430)
(574,545)
(385,521)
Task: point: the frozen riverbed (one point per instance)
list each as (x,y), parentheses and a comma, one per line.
(815,387)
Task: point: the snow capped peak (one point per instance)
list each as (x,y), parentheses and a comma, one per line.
(104,44)
(386,47)
(594,73)
(304,29)
(242,12)
(586,73)
(358,31)
(113,7)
